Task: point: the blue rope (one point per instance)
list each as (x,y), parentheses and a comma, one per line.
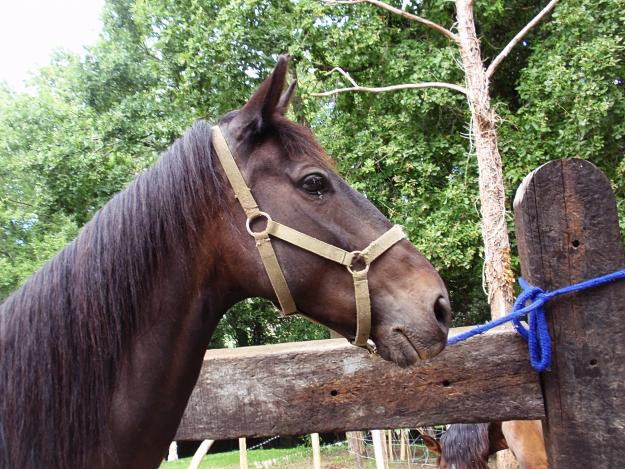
(537,333)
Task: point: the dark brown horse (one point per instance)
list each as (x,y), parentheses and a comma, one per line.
(100,349)
(467,445)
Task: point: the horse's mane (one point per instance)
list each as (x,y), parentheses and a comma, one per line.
(465,444)
(80,310)
(63,333)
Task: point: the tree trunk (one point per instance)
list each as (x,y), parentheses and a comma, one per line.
(498,274)
(353,440)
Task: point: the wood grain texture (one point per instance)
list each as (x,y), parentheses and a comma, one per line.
(329,385)
(567,231)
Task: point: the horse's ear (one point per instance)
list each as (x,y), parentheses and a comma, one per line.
(264,103)
(285,100)
(432,444)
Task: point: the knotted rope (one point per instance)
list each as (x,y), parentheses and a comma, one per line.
(537,332)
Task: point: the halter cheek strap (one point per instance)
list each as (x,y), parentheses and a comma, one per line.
(306,242)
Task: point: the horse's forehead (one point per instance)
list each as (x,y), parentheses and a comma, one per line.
(283,138)
(295,149)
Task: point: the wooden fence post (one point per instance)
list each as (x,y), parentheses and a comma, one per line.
(379,449)
(316,450)
(200,453)
(389,435)
(243,453)
(172,454)
(567,231)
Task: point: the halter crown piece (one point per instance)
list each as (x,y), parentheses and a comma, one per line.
(270,261)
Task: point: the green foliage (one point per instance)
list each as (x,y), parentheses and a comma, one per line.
(571,94)
(91,124)
(256,322)
(405,150)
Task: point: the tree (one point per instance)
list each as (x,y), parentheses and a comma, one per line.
(498,276)
(497,265)
(93,124)
(89,125)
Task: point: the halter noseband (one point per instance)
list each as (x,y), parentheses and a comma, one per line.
(270,261)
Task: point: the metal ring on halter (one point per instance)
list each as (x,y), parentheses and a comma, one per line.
(258,234)
(355,255)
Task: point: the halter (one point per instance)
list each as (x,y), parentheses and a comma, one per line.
(270,261)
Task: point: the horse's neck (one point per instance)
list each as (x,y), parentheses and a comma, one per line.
(162,364)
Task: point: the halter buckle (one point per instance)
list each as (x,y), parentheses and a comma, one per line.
(258,234)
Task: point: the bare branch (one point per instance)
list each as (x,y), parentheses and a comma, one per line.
(344,73)
(430,24)
(405,86)
(520,35)
(356,87)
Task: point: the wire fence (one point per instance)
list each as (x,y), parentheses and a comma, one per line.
(263,443)
(403,448)
(331,457)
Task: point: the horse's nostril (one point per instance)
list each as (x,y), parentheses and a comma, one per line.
(442,311)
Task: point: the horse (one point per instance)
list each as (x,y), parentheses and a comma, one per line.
(468,446)
(526,441)
(101,348)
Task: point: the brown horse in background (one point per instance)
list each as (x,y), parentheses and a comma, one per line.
(469,446)
(101,348)
(526,441)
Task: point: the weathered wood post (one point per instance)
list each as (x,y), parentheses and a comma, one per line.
(567,231)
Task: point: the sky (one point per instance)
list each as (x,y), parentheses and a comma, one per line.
(31,29)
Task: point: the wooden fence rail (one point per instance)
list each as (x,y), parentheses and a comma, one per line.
(329,385)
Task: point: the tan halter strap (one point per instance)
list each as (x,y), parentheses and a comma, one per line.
(306,242)
(250,207)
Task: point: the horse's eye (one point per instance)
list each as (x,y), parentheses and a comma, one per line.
(314,183)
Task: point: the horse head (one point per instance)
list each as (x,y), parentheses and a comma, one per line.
(466,446)
(295,183)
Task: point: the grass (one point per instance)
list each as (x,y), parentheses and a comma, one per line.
(230,460)
(300,457)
